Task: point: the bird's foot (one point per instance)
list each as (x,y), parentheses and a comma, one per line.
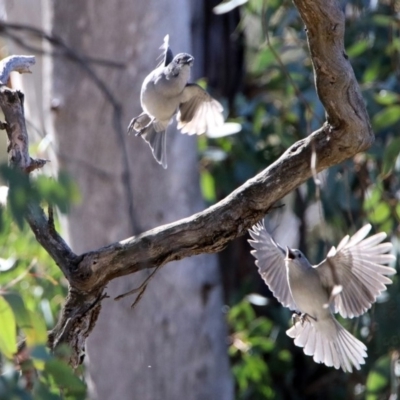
(139,132)
(131,126)
(302,318)
(142,129)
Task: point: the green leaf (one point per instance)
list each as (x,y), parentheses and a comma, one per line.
(387,117)
(372,197)
(20,312)
(36,332)
(61,192)
(371,73)
(382,20)
(256,367)
(258,120)
(43,391)
(29,322)
(390,156)
(263,60)
(41,352)
(385,98)
(380,213)
(19,192)
(285,355)
(8,330)
(64,377)
(207,186)
(378,379)
(358,48)
(263,343)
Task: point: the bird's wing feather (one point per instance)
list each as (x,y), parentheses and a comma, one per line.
(167,56)
(270,260)
(357,265)
(198,111)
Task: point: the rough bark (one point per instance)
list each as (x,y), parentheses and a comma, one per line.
(12,104)
(346,132)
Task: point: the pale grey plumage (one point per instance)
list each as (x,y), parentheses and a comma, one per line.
(165,93)
(347,281)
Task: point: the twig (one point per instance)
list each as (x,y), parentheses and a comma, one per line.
(141,289)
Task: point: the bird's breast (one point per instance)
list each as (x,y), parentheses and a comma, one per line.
(156,99)
(307,291)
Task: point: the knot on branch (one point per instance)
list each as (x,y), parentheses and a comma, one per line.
(35,164)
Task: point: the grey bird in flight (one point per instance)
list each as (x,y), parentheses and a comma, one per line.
(165,93)
(348,281)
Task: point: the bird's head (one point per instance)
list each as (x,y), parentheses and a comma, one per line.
(296,256)
(183,59)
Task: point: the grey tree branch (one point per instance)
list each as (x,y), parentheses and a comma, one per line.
(20,64)
(346,132)
(12,104)
(80,312)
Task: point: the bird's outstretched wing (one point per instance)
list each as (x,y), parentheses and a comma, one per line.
(270,260)
(357,265)
(198,111)
(167,55)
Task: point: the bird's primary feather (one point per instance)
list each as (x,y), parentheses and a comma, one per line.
(271,264)
(358,266)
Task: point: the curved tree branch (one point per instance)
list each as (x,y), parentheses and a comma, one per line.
(20,64)
(346,132)
(12,104)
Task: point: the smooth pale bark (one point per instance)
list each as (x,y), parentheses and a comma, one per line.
(173,344)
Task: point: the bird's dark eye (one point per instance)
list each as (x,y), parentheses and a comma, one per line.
(299,255)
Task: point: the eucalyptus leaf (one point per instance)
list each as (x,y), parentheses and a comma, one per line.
(390,156)
(8,330)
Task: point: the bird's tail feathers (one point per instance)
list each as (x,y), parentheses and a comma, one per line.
(329,343)
(156,136)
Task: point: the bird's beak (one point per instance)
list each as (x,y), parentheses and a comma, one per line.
(190,61)
(289,254)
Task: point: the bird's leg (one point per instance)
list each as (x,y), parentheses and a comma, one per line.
(304,317)
(140,131)
(301,317)
(131,126)
(295,318)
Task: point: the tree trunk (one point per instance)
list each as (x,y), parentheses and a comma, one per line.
(173,344)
